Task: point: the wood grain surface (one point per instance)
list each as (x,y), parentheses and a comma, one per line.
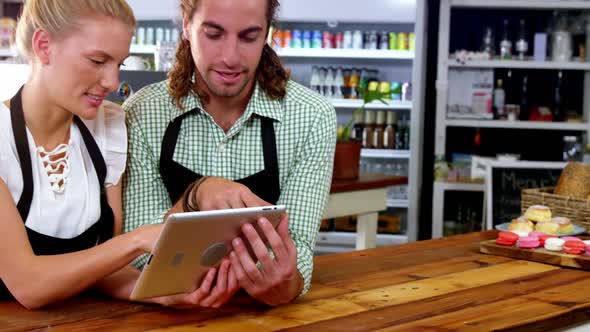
(367,181)
(438,285)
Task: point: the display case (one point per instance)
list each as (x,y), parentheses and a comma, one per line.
(535,93)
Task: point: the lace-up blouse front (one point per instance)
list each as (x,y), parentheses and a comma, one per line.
(66,189)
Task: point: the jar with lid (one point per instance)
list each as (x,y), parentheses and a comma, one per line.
(378,132)
(368,130)
(356,132)
(390,130)
(572,148)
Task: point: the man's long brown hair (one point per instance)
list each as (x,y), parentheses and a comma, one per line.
(270,73)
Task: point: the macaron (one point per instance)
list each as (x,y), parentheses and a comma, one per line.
(587,242)
(571,238)
(554,244)
(574,247)
(528,242)
(544,238)
(536,234)
(520,233)
(506,238)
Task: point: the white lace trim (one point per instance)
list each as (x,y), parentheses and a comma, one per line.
(57,169)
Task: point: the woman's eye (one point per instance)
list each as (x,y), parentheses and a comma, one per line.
(97,62)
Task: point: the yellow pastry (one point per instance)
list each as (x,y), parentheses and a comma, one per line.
(538,213)
(521,224)
(547,227)
(565,225)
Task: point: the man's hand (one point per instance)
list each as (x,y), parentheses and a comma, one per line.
(206,296)
(218,193)
(278,281)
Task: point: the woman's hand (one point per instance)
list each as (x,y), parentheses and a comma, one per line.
(146,237)
(207,295)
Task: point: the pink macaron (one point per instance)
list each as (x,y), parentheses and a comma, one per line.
(529,242)
(536,234)
(570,238)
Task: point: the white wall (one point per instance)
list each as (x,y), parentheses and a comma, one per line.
(155,9)
(12,77)
(396,11)
(400,11)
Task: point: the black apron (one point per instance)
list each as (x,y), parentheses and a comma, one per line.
(42,244)
(265,184)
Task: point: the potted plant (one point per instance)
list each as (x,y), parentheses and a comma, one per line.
(348,151)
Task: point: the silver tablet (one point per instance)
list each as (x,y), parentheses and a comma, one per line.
(191,243)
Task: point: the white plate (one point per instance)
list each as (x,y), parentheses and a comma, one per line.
(577,229)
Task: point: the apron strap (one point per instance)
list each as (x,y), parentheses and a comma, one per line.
(94,152)
(22,147)
(269,146)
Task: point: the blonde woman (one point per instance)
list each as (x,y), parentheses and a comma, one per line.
(62,153)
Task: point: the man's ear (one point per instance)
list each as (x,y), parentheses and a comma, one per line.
(40,46)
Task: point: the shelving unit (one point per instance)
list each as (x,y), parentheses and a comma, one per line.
(375,105)
(334,242)
(385,153)
(320,53)
(398,203)
(8,52)
(539,125)
(446,63)
(520,64)
(142,49)
(521,4)
(399,66)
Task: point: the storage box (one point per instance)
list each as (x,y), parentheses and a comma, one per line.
(471,94)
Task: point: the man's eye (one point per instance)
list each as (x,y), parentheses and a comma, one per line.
(97,62)
(250,39)
(213,35)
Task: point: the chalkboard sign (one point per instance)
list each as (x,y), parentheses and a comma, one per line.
(505,181)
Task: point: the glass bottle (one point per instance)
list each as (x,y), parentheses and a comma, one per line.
(314,82)
(499,99)
(487,45)
(400,135)
(505,43)
(354,84)
(329,83)
(378,132)
(522,46)
(356,133)
(558,114)
(524,102)
(406,134)
(322,79)
(338,84)
(368,129)
(390,129)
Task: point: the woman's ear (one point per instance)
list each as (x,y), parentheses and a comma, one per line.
(186,24)
(40,46)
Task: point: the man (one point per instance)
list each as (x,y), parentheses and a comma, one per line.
(230,112)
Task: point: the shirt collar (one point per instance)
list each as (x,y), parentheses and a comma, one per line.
(259,104)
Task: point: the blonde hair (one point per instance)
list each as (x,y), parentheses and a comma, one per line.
(59,17)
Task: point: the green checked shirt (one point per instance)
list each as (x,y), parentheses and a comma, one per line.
(305,130)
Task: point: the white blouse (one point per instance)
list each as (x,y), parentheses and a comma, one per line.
(67,211)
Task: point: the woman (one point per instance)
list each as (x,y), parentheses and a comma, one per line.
(62,153)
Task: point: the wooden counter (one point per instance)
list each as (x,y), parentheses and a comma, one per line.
(438,285)
(364,197)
